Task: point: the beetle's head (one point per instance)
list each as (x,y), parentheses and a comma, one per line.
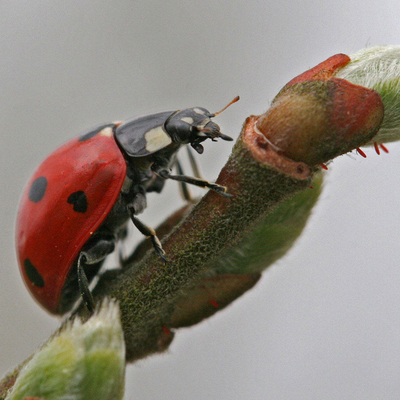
(194,125)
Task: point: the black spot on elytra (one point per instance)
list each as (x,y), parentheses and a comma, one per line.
(79,201)
(94,132)
(33,274)
(38,189)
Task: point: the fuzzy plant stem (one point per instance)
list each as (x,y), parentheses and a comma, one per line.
(325,116)
(147,291)
(313,119)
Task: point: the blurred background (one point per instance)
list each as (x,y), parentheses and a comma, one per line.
(324,323)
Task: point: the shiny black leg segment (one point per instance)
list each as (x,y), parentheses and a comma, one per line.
(185,192)
(84,290)
(98,250)
(195,181)
(149,232)
(193,164)
(92,255)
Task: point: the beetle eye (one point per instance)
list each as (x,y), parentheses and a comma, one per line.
(211,129)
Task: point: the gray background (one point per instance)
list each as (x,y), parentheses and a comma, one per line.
(322,324)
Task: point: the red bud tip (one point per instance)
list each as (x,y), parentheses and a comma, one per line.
(322,71)
(317,117)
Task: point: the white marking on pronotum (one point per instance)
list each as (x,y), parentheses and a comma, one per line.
(198,111)
(108,132)
(156,139)
(188,120)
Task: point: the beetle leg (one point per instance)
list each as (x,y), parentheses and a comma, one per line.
(185,192)
(98,251)
(83,283)
(147,231)
(193,164)
(195,181)
(91,255)
(122,235)
(139,202)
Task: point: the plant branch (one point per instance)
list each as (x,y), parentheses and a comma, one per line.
(315,118)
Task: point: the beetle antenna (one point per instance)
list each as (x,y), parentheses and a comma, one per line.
(237,98)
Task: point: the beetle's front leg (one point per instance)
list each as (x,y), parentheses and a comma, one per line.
(194,181)
(185,192)
(184,189)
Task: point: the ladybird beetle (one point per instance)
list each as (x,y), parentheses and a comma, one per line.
(77,204)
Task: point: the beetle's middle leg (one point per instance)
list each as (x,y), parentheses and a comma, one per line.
(149,232)
(135,207)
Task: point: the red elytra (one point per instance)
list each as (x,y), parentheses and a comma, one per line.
(66,200)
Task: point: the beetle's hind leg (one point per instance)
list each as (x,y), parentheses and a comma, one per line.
(83,283)
(92,255)
(147,231)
